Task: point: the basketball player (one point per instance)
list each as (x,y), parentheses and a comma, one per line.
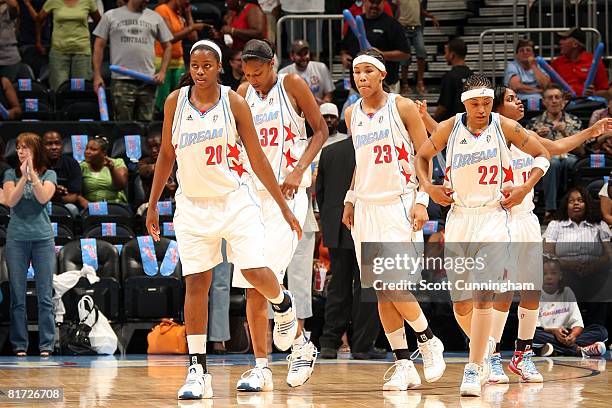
(215,201)
(383,205)
(280,105)
(526,234)
(479,174)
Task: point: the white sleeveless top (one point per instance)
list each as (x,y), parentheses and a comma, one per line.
(477,167)
(522,164)
(384,154)
(281,131)
(208,154)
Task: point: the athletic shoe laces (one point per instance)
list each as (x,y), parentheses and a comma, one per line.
(496,365)
(528,364)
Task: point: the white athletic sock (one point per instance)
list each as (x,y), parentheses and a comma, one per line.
(528,320)
(481,330)
(499,322)
(465,322)
(397,339)
(261,362)
(196,343)
(420,324)
(278,299)
(300,341)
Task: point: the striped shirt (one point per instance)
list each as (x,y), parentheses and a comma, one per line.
(578,241)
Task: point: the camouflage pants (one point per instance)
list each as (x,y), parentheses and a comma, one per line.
(133,100)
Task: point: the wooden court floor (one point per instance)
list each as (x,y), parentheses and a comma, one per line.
(141,381)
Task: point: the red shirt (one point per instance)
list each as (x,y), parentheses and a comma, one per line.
(242,21)
(357,11)
(576,72)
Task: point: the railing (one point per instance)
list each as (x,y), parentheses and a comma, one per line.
(321,21)
(507,31)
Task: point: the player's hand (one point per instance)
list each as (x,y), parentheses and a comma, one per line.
(292,183)
(153,222)
(293,222)
(421,106)
(514,196)
(347,215)
(418,216)
(440,194)
(602,127)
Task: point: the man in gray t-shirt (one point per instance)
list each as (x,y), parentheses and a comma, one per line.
(315,73)
(132,31)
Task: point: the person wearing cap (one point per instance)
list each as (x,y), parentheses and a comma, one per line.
(315,73)
(281,104)
(574,63)
(330,114)
(385,34)
(132,31)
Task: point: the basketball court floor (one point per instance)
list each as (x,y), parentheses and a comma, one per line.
(152,381)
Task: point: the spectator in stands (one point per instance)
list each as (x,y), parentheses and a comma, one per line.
(68,171)
(451,85)
(602,113)
(384,33)
(245,21)
(27,26)
(178,18)
(8,99)
(574,63)
(315,73)
(524,76)
(70,54)
(29,238)
(581,241)
(104,178)
(343,303)
(356,9)
(271,9)
(329,111)
(605,202)
(411,15)
(146,169)
(233,75)
(560,327)
(9,53)
(555,124)
(132,30)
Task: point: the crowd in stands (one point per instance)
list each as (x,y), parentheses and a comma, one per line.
(81,38)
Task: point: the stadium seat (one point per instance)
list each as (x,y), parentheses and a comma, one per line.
(62,215)
(106,292)
(35,99)
(74,103)
(64,234)
(584,174)
(117,212)
(123,234)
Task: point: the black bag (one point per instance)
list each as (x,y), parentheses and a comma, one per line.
(74,338)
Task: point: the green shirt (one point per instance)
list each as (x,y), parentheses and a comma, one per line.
(70,29)
(29,219)
(98,186)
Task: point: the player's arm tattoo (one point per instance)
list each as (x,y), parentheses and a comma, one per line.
(518,129)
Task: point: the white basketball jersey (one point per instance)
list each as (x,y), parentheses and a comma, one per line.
(384,153)
(207,153)
(282,132)
(477,167)
(521,165)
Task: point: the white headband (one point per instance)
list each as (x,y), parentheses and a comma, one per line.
(209,44)
(477,93)
(370,60)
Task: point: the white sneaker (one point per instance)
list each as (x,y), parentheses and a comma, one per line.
(486,363)
(285,326)
(497,376)
(522,365)
(433,358)
(301,364)
(405,376)
(197,385)
(256,379)
(471,384)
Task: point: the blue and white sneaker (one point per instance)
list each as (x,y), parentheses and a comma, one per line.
(256,379)
(497,376)
(198,385)
(301,364)
(471,384)
(285,326)
(522,365)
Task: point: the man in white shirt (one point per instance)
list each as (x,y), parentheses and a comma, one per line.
(315,73)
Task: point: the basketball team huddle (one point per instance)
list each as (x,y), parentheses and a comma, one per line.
(244,163)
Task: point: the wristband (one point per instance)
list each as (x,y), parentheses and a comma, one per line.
(350,197)
(541,163)
(422,198)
